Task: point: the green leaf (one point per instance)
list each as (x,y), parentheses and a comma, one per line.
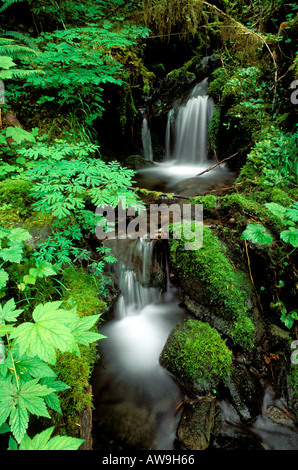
(276,209)
(43,269)
(14,253)
(257,234)
(43,441)
(27,279)
(18,403)
(18,235)
(4,428)
(19,135)
(49,333)
(29,367)
(9,313)
(290,236)
(6,62)
(81,327)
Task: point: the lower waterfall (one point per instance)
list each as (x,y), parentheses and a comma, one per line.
(130,386)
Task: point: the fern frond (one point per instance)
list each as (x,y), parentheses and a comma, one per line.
(8,3)
(14,50)
(19,73)
(20,37)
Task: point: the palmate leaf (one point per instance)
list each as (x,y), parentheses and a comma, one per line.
(6,62)
(257,234)
(43,441)
(14,253)
(28,368)
(19,403)
(19,135)
(9,313)
(49,333)
(52,399)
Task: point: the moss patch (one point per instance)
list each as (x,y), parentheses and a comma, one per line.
(15,194)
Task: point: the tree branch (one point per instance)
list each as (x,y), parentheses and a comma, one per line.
(217,164)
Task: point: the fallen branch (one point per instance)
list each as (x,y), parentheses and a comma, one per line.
(217,164)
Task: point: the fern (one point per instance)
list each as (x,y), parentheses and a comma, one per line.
(20,37)
(8,4)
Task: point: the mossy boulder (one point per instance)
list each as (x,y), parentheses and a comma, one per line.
(218,286)
(196,354)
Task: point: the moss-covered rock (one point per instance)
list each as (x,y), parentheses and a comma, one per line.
(219,286)
(197,355)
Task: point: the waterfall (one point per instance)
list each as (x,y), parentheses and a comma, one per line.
(190,127)
(129,375)
(146,139)
(133,283)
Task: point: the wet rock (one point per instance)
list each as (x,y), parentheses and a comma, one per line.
(136,162)
(196,425)
(246,392)
(125,426)
(237,443)
(280,416)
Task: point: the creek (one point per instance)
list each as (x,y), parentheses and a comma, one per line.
(136,400)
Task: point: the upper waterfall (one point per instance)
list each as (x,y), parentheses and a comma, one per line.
(187,127)
(146,140)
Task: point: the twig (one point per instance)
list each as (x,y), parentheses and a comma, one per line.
(216,164)
(250,273)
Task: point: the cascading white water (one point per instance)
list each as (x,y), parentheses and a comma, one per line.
(135,295)
(146,140)
(143,320)
(190,128)
(186,147)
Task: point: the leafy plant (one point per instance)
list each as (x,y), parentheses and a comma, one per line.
(28,384)
(9,52)
(288,216)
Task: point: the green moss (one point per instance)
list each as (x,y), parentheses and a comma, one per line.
(293,383)
(15,194)
(82,292)
(226,287)
(208,201)
(177,74)
(197,355)
(247,206)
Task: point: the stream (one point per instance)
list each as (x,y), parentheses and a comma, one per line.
(136,400)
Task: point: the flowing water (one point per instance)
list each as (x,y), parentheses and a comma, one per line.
(146,140)
(136,399)
(186,149)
